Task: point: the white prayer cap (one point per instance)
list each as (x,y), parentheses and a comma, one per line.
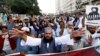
(25,29)
(48,29)
(14,18)
(26,18)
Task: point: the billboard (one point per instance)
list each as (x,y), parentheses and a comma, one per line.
(93,15)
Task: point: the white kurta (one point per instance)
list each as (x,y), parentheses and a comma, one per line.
(59,40)
(6,46)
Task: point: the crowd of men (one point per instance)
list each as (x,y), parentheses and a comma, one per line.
(40,35)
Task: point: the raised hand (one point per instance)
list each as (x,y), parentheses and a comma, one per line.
(16,32)
(90,40)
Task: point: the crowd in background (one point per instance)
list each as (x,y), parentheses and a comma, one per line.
(44,34)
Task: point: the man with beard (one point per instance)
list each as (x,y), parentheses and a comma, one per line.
(61,29)
(94,32)
(47,44)
(91,30)
(78,41)
(94,11)
(70,26)
(94,14)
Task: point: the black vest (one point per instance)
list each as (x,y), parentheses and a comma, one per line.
(51,49)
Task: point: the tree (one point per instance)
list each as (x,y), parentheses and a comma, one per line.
(2,3)
(24,6)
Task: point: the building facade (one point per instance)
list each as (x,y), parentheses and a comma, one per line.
(73,6)
(83,3)
(57,5)
(65,6)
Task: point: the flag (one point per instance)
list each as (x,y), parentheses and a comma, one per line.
(89,51)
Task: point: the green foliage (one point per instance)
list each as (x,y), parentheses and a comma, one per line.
(23,6)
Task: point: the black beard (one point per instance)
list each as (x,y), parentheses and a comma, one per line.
(77,38)
(47,40)
(92,32)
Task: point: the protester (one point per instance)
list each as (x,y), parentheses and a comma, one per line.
(51,44)
(70,26)
(34,28)
(78,21)
(61,28)
(10,22)
(7,43)
(90,31)
(19,23)
(47,34)
(21,47)
(78,42)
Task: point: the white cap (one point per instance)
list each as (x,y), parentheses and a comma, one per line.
(25,29)
(26,18)
(14,18)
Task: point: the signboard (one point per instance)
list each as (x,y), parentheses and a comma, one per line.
(93,15)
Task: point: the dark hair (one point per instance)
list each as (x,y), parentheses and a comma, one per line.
(8,18)
(94,8)
(76,28)
(4,27)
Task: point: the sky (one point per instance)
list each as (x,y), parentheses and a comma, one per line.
(47,6)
